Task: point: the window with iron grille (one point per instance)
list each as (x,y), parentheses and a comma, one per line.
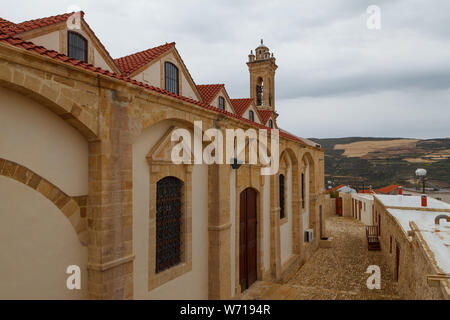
(171,75)
(282,213)
(251,115)
(221,103)
(77,46)
(168,222)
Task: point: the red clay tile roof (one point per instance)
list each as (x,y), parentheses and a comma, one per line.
(135,61)
(209,91)
(29,46)
(5,23)
(240,105)
(17,28)
(265,115)
(36,23)
(387,189)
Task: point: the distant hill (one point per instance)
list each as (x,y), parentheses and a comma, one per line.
(360,161)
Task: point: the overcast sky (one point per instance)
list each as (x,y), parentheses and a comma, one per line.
(335,77)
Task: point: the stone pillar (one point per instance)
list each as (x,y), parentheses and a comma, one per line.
(219,283)
(275,242)
(110,250)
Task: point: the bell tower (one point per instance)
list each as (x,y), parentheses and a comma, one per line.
(261,66)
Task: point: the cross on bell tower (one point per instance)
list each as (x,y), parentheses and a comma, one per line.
(261,66)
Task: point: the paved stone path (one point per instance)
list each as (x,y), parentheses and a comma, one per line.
(336,273)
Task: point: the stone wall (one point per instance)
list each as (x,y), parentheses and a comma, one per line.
(414,266)
(330,206)
(110,115)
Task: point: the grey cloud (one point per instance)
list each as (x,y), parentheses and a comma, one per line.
(328,60)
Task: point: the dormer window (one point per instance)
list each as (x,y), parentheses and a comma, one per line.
(171,77)
(221,103)
(271,124)
(77,47)
(251,115)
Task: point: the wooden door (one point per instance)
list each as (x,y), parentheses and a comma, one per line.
(339,206)
(247,239)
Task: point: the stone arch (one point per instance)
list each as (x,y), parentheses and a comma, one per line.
(288,153)
(52,91)
(73,208)
(160,113)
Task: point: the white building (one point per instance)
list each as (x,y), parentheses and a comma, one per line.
(362,208)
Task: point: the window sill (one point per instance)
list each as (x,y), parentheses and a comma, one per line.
(283,220)
(158,279)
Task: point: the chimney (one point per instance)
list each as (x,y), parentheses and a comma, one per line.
(424,200)
(400,190)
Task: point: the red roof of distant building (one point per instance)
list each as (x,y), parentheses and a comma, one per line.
(366,191)
(388,189)
(336,188)
(135,61)
(209,91)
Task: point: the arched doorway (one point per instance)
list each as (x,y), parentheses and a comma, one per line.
(247,238)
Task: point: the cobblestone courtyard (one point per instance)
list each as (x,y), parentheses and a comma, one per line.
(333,273)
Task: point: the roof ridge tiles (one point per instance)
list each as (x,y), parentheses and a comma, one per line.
(17,42)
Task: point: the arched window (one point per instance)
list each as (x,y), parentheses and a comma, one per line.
(251,115)
(259,91)
(221,103)
(271,124)
(282,213)
(77,46)
(168,222)
(171,75)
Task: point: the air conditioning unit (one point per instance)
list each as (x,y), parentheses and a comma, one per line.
(309,235)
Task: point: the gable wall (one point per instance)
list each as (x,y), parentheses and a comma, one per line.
(215,102)
(246,113)
(154,75)
(49,41)
(57,40)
